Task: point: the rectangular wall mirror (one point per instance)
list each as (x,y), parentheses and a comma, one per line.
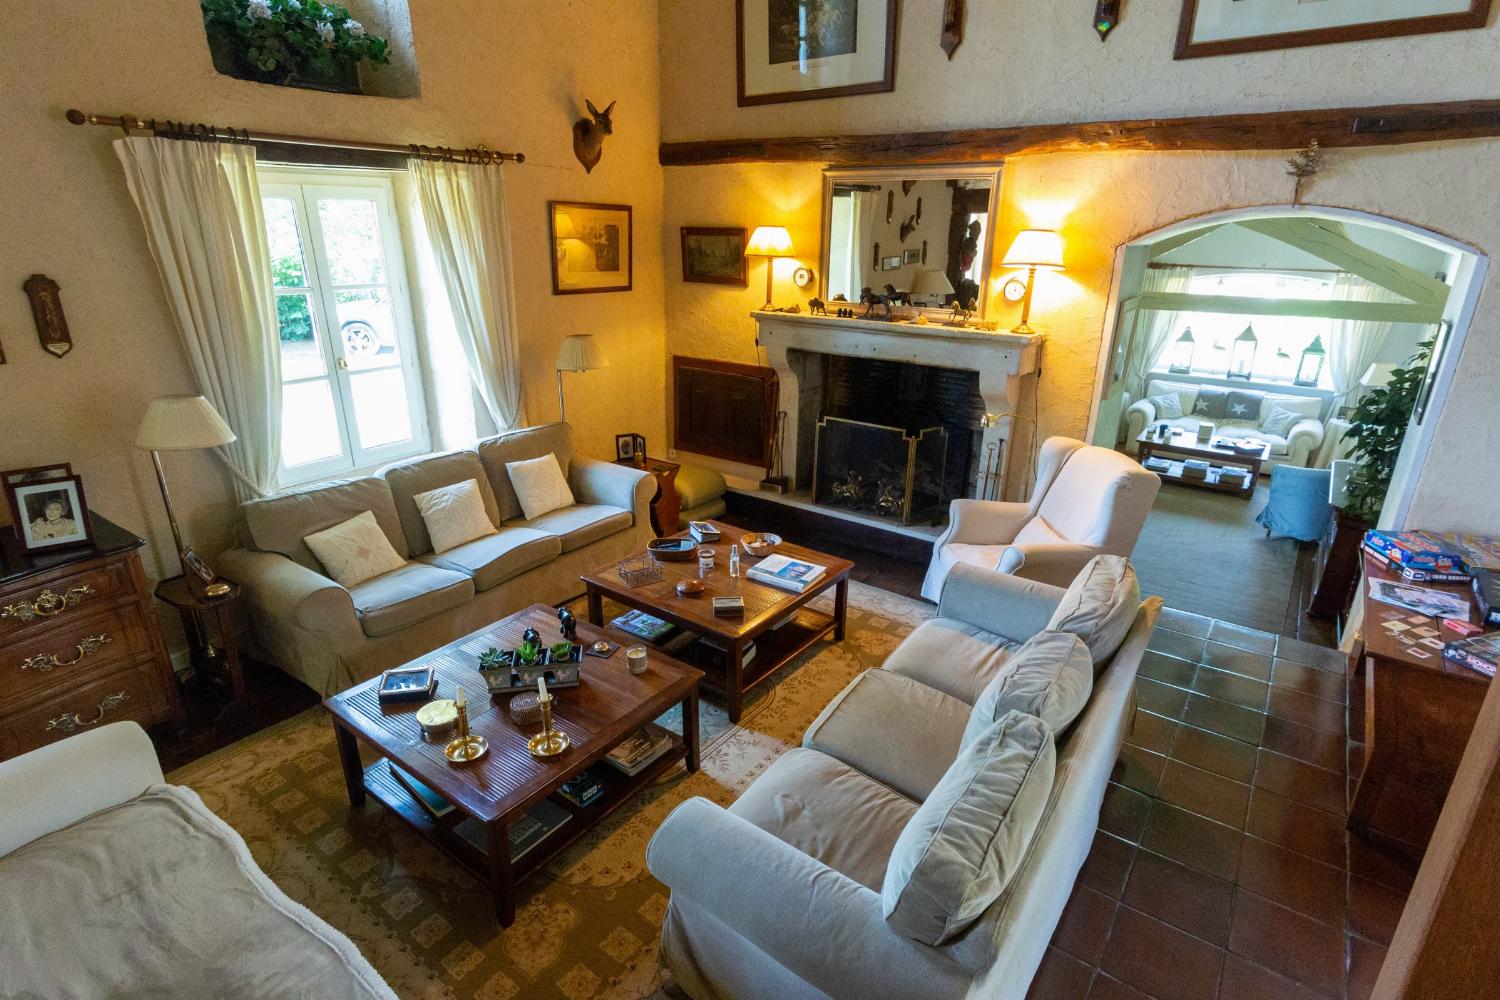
(927,232)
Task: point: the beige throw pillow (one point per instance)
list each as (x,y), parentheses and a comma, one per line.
(355,551)
(1099,606)
(1050,676)
(540,485)
(964,843)
(454,515)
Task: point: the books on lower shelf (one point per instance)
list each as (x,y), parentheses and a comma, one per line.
(530,830)
(644,626)
(640,749)
(787,573)
(431,802)
(1195,468)
(1158,465)
(1480,653)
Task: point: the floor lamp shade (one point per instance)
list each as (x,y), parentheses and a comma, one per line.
(182,423)
(579,353)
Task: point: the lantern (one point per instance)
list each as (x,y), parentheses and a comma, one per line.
(1182,353)
(1242,356)
(1310,368)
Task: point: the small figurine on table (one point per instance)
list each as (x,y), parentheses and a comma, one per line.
(568,624)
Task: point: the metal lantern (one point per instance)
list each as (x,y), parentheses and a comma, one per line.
(1242,356)
(1310,368)
(1182,353)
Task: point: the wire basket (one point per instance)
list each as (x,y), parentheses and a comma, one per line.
(637,571)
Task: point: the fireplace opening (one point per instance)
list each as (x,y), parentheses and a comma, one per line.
(880,470)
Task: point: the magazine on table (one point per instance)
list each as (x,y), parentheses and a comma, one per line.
(787,573)
(639,749)
(1422,600)
(644,626)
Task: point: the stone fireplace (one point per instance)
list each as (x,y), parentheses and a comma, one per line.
(919,414)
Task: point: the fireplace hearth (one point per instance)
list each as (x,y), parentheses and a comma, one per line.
(885,471)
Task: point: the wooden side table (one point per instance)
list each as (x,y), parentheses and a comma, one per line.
(212,643)
(666,505)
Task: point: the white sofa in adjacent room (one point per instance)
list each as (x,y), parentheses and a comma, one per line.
(1296,447)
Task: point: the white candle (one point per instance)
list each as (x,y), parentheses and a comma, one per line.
(541,686)
(462,698)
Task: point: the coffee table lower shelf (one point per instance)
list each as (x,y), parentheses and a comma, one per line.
(618,789)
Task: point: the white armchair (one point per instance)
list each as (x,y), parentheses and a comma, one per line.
(1088,501)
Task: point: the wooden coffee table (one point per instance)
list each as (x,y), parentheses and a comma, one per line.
(499,788)
(766,607)
(1183,445)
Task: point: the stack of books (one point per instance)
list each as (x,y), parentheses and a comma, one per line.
(1195,468)
(1158,465)
(1236,475)
(787,573)
(640,749)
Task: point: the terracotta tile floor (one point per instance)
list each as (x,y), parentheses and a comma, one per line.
(1222,868)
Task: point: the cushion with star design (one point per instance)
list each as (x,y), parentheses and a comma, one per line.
(1242,405)
(1211,402)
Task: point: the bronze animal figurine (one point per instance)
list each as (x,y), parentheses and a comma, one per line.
(588,136)
(896,298)
(817,307)
(870,300)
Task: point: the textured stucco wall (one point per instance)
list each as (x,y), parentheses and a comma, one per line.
(1019,65)
(510,74)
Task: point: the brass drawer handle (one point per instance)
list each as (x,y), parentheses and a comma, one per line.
(48,603)
(69,722)
(46,661)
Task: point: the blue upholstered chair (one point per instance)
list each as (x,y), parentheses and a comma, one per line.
(1299,506)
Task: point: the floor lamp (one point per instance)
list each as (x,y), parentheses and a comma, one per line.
(579,353)
(184,423)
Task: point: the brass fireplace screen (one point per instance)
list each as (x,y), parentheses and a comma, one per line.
(880,470)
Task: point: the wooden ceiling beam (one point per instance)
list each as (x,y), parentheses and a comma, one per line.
(1333,128)
(1339,250)
(1234,305)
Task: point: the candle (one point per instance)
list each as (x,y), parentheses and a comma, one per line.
(462,699)
(541,687)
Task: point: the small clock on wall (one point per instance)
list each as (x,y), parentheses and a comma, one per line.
(1015,290)
(802,277)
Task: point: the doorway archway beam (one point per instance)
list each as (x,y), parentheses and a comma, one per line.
(1372,312)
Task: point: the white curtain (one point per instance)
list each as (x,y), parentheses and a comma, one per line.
(463,209)
(862,240)
(1154,327)
(200,203)
(1355,344)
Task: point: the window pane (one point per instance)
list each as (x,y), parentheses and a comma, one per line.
(309,424)
(380,411)
(287,267)
(301,355)
(367,327)
(351,233)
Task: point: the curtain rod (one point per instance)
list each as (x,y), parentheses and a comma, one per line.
(1159,266)
(215,133)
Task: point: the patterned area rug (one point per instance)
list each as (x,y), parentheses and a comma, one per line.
(587,925)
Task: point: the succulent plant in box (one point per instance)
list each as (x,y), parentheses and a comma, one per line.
(298,42)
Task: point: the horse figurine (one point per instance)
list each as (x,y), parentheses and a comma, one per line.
(870,300)
(588,136)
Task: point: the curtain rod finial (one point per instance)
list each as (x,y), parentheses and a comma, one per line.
(77,117)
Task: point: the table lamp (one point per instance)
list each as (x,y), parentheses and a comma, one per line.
(184,423)
(929,283)
(1035,250)
(769,242)
(578,353)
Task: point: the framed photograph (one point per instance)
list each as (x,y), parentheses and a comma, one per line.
(892,263)
(625,447)
(49,513)
(715,255)
(911,256)
(1227,27)
(591,247)
(37,473)
(804,50)
(401,684)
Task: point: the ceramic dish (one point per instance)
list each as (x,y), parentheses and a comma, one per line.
(760,545)
(672,549)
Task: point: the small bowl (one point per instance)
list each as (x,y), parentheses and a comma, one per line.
(690,588)
(760,544)
(672,549)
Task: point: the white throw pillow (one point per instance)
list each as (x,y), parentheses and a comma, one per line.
(1168,405)
(1050,676)
(1099,606)
(540,485)
(355,551)
(454,515)
(1280,421)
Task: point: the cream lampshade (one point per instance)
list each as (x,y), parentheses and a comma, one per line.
(769,242)
(579,353)
(929,283)
(1035,250)
(183,423)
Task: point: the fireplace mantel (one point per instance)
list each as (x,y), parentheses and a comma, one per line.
(1001,359)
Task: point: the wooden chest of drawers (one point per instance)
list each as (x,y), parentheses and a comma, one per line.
(79,643)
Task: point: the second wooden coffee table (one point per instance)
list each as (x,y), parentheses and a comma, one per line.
(777,621)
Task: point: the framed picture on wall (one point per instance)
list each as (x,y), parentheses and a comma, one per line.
(715,255)
(1227,27)
(891,263)
(591,247)
(803,50)
(911,256)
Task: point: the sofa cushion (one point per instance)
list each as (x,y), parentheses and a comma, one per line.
(809,800)
(951,656)
(898,731)
(498,557)
(354,551)
(280,523)
(580,524)
(966,841)
(1099,606)
(1051,677)
(1168,405)
(514,446)
(1280,421)
(1244,404)
(540,485)
(408,479)
(454,515)
(1211,402)
(411,594)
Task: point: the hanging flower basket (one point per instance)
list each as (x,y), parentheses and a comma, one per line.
(294,43)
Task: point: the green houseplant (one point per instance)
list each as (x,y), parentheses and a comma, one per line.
(1378,429)
(301,43)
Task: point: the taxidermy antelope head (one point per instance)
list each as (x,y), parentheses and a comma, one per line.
(588,136)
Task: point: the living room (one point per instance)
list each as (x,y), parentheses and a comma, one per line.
(276,256)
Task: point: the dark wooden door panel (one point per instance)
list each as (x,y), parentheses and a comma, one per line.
(724,410)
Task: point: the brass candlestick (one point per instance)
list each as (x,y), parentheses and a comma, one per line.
(465,747)
(549,742)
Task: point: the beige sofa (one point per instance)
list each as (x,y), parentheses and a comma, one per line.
(1297,447)
(818,834)
(113,883)
(330,637)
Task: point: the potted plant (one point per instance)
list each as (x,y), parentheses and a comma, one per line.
(298,43)
(1379,424)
